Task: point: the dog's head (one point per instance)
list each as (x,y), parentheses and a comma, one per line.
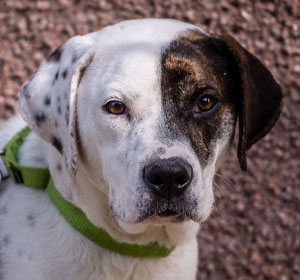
(150,106)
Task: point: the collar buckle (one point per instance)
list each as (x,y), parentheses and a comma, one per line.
(15,173)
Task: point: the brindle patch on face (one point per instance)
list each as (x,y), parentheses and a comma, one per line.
(191,66)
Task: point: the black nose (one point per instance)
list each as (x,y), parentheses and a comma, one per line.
(168,177)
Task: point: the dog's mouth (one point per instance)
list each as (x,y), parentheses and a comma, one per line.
(168,213)
(165,216)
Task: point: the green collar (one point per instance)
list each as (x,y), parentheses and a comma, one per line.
(39,178)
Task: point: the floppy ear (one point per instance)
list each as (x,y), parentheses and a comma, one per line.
(47,101)
(260,98)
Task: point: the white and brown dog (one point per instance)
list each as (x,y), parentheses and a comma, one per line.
(132,122)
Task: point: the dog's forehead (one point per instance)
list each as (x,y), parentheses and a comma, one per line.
(195,59)
(128,55)
(156,31)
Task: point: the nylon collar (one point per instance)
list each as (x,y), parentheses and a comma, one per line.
(40,179)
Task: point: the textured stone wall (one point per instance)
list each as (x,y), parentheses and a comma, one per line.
(254,232)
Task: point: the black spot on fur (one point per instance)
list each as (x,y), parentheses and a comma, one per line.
(6,240)
(56,75)
(56,123)
(47,101)
(31,220)
(57,144)
(74,58)
(67,118)
(40,117)
(55,56)
(58,166)
(59,109)
(65,74)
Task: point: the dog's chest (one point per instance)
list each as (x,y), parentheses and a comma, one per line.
(36,241)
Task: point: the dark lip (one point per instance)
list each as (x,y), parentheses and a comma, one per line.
(168,213)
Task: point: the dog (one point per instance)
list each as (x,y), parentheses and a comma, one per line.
(132,121)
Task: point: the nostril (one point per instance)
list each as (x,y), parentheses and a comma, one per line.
(181,180)
(156,180)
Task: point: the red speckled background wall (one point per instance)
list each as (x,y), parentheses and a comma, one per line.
(254,232)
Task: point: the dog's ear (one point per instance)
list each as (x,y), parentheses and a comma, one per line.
(47,101)
(259,97)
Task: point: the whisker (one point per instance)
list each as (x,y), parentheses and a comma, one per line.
(227,182)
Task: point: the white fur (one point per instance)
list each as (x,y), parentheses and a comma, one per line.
(42,245)
(37,243)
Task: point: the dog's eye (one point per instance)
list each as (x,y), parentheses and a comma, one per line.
(115,107)
(205,103)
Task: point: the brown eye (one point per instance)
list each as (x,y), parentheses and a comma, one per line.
(115,107)
(206,103)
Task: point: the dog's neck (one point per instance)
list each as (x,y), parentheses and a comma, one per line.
(84,192)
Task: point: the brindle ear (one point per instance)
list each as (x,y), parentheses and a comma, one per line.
(260,98)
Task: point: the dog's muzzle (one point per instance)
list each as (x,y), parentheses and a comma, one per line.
(168,178)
